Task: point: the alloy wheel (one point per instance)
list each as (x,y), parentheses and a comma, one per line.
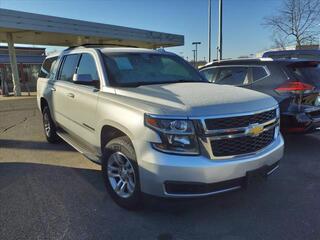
(121,175)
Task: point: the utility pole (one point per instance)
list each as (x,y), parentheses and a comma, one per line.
(196,52)
(209,31)
(194,58)
(220,32)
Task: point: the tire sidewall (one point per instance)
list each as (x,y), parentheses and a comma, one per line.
(52,135)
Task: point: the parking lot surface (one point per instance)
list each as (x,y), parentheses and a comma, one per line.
(52,192)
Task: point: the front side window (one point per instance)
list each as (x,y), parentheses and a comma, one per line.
(87,68)
(233,76)
(68,68)
(132,69)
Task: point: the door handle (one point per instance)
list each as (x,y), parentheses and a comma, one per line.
(53,89)
(70,95)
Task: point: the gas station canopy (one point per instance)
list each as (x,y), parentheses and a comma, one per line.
(37,29)
(30,28)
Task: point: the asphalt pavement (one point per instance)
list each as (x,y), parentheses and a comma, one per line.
(50,191)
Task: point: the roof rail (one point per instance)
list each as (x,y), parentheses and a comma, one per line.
(93,45)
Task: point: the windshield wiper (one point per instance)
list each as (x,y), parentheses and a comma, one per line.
(138,84)
(186,80)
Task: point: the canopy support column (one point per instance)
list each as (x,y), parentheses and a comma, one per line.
(14,67)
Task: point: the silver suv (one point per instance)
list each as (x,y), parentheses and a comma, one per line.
(155,125)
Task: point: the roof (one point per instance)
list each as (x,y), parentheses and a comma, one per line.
(299,51)
(130,50)
(255,61)
(30,28)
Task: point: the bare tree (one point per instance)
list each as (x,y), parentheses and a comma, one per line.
(297,22)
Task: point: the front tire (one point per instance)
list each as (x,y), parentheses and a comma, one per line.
(121,174)
(49,126)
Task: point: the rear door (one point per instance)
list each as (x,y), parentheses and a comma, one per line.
(262,80)
(63,92)
(229,75)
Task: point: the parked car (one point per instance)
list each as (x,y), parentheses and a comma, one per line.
(294,83)
(303,54)
(155,124)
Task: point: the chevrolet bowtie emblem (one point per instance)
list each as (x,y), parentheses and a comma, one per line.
(255,130)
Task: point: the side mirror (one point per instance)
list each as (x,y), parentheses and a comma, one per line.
(85,79)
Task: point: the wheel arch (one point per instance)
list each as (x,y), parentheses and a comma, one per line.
(109,132)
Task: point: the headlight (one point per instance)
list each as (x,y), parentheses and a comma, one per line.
(278,112)
(277,128)
(177,135)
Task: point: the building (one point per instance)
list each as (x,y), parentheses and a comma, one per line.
(29,62)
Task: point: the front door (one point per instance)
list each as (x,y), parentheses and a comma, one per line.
(85,99)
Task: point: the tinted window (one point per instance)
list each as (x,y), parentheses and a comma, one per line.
(69,66)
(232,76)
(46,67)
(131,69)
(88,67)
(307,72)
(210,73)
(258,73)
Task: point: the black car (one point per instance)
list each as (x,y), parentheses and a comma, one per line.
(294,83)
(303,53)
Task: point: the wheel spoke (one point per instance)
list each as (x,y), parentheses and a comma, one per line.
(130,186)
(119,185)
(121,174)
(130,170)
(118,159)
(112,174)
(113,168)
(123,187)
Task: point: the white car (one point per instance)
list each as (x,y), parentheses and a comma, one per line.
(155,124)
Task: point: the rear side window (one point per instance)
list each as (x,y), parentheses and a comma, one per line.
(68,68)
(210,74)
(307,73)
(233,76)
(47,66)
(258,73)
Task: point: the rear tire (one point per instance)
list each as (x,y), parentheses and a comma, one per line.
(49,126)
(121,173)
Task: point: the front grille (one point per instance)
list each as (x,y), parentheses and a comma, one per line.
(240,121)
(242,145)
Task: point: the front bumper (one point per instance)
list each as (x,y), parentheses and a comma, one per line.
(156,169)
(306,121)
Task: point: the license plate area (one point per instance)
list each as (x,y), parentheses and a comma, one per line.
(256,176)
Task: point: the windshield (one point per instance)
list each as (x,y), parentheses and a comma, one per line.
(134,69)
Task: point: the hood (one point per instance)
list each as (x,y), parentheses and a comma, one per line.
(196,99)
